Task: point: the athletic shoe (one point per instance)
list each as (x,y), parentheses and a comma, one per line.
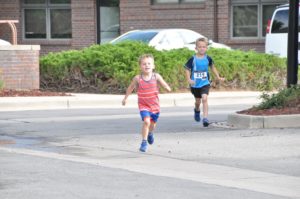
(143,147)
(197,115)
(150,138)
(205,122)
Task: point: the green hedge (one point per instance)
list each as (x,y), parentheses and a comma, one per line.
(109,68)
(287,97)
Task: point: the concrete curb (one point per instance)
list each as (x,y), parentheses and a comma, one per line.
(114,101)
(255,122)
(166,100)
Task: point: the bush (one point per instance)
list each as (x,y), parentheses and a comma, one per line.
(1,85)
(288,97)
(250,70)
(109,68)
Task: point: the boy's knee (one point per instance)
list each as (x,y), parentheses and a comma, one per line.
(147,121)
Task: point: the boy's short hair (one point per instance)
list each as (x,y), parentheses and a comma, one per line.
(145,56)
(203,39)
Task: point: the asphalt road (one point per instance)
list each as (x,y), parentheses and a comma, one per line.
(93,153)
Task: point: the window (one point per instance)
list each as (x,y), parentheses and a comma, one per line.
(245,21)
(281,22)
(175,1)
(47,19)
(145,37)
(267,14)
(249,18)
(109,20)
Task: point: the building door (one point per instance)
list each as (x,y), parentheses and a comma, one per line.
(109,20)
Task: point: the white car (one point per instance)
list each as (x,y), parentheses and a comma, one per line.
(4,43)
(166,39)
(277,32)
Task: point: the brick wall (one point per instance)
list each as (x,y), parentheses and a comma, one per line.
(134,14)
(19,67)
(223,21)
(84,23)
(140,14)
(224,26)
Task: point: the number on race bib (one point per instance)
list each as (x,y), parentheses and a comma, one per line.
(200,75)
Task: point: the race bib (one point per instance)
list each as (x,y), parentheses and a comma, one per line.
(200,75)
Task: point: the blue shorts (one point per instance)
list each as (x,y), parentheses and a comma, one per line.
(153,116)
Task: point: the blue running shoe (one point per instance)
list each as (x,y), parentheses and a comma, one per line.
(205,122)
(150,138)
(197,115)
(143,147)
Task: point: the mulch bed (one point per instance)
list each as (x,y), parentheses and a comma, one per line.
(30,93)
(5,142)
(272,111)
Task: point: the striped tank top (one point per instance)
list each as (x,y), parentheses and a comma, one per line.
(148,94)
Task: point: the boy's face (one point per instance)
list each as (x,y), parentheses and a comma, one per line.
(147,65)
(201,47)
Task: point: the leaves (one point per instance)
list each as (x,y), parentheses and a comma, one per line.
(109,68)
(284,98)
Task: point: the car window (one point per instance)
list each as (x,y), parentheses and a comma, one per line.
(138,36)
(280,22)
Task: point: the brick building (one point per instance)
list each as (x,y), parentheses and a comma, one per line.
(58,25)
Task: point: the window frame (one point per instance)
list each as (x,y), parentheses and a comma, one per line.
(260,4)
(47,6)
(231,26)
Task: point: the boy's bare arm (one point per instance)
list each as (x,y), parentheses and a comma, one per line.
(163,83)
(129,90)
(216,73)
(188,77)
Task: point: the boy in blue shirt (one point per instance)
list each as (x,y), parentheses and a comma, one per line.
(197,75)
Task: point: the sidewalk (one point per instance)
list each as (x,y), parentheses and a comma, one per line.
(114,101)
(166,100)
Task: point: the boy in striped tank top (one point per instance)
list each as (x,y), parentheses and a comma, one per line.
(147,87)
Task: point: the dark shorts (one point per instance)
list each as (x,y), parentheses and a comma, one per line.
(198,92)
(153,116)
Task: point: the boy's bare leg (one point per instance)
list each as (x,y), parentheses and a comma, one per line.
(145,127)
(197,104)
(152,127)
(150,137)
(205,105)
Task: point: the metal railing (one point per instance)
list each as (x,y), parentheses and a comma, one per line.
(13,28)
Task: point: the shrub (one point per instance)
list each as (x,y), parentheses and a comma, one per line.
(250,70)
(109,68)
(284,98)
(1,85)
